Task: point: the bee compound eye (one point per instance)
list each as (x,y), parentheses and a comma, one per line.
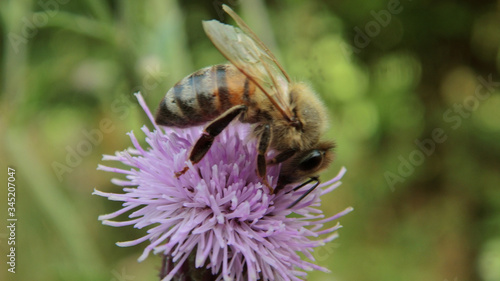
(311,160)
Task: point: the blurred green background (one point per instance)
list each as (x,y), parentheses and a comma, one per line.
(413,89)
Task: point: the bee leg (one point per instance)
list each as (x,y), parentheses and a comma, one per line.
(316,179)
(282,156)
(281,184)
(213,129)
(264,141)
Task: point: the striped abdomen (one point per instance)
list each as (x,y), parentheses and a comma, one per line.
(204,95)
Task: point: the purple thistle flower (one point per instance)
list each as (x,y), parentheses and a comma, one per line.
(219,212)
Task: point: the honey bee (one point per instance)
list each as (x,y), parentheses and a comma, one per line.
(254,88)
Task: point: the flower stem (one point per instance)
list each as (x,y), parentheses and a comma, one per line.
(187,272)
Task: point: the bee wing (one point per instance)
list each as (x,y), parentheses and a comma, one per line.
(245,51)
(257,40)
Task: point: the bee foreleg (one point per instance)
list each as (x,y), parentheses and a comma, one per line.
(281,184)
(282,156)
(213,129)
(316,179)
(263,145)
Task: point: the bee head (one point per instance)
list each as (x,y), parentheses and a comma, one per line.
(307,163)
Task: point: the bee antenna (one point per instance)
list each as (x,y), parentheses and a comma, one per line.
(316,179)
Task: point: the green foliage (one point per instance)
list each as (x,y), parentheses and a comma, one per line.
(427,202)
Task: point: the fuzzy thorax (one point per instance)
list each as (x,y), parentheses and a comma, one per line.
(312,117)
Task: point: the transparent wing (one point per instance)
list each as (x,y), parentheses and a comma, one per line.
(245,51)
(257,40)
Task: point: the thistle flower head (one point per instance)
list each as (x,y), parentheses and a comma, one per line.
(218,212)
